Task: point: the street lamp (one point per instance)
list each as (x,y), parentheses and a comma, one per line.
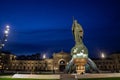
(7,26)
(2,43)
(102,59)
(44,56)
(103,55)
(6,32)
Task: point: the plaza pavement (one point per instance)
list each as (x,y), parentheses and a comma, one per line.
(67,76)
(100,75)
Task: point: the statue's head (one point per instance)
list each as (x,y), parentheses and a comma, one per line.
(75,21)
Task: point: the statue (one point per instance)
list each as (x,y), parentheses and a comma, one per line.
(80,62)
(79,52)
(77,32)
(78,36)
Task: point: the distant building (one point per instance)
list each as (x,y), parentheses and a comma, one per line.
(111,63)
(5,59)
(60,60)
(36,56)
(57,63)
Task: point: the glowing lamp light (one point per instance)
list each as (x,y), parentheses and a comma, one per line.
(102,55)
(44,56)
(7,26)
(7,29)
(5,39)
(6,32)
(3,44)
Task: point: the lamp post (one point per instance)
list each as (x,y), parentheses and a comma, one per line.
(44,57)
(103,57)
(6,32)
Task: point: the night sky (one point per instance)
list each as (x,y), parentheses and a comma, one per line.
(44,26)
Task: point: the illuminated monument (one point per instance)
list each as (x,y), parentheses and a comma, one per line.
(80,62)
(79,52)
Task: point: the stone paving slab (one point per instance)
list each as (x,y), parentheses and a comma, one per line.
(67,77)
(35,76)
(100,75)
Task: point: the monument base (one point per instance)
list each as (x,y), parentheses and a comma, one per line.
(80,65)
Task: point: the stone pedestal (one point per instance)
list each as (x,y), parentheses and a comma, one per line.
(80,65)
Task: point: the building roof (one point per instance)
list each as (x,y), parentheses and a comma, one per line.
(62,53)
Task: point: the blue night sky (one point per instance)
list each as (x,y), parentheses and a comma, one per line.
(44,26)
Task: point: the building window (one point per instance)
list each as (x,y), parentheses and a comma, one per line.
(36,68)
(109,67)
(113,67)
(62,62)
(24,67)
(28,68)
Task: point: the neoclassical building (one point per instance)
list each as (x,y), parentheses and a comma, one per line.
(5,59)
(57,63)
(60,60)
(110,63)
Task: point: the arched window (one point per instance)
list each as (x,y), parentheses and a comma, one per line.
(62,62)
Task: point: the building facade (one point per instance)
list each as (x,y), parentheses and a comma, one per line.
(5,59)
(60,60)
(111,63)
(57,63)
